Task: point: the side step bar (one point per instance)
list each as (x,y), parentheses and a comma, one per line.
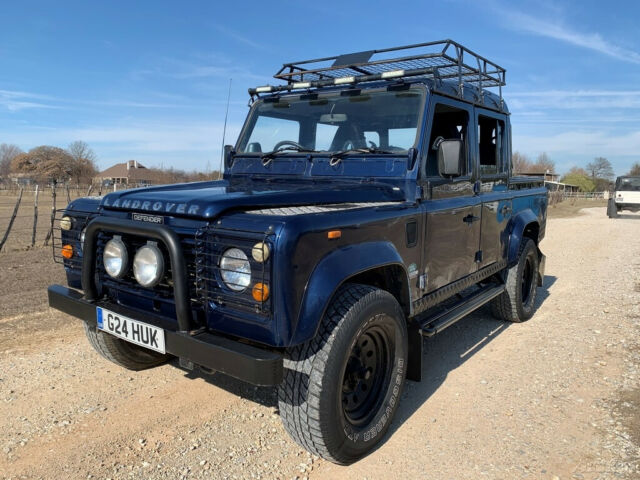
(435,324)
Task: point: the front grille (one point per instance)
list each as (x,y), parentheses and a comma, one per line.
(210,244)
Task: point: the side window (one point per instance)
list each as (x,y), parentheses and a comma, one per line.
(268,131)
(325,134)
(491,146)
(448,123)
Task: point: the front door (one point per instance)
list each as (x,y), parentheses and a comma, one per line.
(453,211)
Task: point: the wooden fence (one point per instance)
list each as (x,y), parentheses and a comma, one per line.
(22,225)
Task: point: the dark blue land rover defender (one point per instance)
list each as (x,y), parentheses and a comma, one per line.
(367,203)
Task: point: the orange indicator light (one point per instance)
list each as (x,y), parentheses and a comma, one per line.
(260,292)
(334,234)
(67,251)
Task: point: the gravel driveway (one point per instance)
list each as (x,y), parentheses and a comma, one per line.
(555,397)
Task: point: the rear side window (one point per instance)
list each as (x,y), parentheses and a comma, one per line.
(491,146)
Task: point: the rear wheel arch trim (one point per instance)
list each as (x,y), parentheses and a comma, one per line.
(523,222)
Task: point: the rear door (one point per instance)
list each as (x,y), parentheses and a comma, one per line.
(452,210)
(491,146)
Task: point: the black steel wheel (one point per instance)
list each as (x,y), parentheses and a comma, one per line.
(517,302)
(367,373)
(342,388)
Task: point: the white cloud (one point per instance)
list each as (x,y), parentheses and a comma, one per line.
(240,38)
(15,100)
(555,29)
(593,100)
(588,143)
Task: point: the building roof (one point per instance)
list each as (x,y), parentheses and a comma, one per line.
(130,169)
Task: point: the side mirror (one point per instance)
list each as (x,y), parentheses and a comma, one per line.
(228,156)
(450,158)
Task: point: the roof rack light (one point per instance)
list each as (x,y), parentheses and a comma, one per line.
(392,74)
(265,89)
(297,85)
(343,80)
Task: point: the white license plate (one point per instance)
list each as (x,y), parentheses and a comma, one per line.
(131,330)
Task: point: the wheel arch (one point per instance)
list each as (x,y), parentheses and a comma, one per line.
(525,225)
(376,264)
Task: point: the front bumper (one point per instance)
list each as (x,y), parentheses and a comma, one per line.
(244,362)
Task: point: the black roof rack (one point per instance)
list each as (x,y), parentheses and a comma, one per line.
(440,60)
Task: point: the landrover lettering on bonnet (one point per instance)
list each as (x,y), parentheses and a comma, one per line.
(143,217)
(165,207)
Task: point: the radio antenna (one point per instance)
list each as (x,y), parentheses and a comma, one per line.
(224,131)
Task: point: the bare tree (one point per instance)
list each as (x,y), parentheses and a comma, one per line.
(520,162)
(84,162)
(544,164)
(601,173)
(7,153)
(635,170)
(600,168)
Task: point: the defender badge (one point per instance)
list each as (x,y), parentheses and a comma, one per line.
(143,217)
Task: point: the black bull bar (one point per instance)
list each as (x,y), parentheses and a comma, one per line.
(259,366)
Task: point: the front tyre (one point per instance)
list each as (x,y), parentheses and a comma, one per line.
(120,352)
(517,302)
(341,389)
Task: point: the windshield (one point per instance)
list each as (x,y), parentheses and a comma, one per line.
(628,184)
(331,122)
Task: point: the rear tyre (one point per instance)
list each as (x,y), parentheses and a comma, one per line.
(612,209)
(517,302)
(341,389)
(120,352)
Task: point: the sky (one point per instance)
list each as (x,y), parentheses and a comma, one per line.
(149,80)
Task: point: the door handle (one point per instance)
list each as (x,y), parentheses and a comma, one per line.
(506,210)
(470,219)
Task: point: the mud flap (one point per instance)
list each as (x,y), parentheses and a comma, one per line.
(541,265)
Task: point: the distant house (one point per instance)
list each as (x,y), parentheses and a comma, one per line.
(23,178)
(130,173)
(552,177)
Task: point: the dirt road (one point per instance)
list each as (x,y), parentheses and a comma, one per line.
(556,397)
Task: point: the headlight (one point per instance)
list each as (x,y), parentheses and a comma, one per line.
(66,223)
(235,269)
(115,257)
(148,265)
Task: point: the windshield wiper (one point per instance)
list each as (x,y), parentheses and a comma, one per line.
(273,153)
(339,155)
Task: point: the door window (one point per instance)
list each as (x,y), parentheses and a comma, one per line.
(491,150)
(448,123)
